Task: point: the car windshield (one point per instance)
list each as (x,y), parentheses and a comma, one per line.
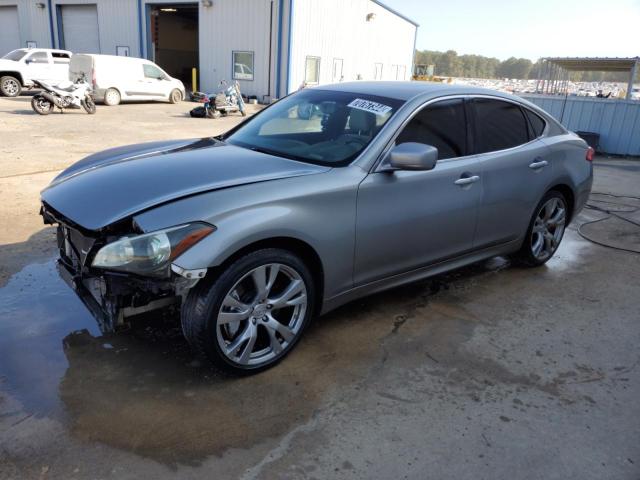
(15,55)
(316,126)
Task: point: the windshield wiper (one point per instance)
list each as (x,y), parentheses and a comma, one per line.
(275,153)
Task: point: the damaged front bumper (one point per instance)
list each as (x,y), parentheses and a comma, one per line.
(114,297)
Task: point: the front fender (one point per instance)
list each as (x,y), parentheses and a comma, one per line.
(318,210)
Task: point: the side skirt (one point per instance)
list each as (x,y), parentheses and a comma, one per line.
(418,274)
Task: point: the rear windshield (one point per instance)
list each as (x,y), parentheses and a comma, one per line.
(323,127)
(15,55)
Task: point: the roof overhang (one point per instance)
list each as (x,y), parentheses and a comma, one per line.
(599,64)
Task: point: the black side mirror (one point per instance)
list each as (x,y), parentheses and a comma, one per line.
(412,156)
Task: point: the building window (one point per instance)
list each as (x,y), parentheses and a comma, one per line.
(243,65)
(398,72)
(312,70)
(378,72)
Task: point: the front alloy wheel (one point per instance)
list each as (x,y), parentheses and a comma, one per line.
(252,314)
(261,314)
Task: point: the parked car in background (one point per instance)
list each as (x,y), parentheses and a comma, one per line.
(327,195)
(19,68)
(118,79)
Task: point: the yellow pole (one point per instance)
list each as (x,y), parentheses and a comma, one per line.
(194,79)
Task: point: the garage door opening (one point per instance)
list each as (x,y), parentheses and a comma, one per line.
(173,38)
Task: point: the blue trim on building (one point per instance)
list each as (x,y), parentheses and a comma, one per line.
(59,25)
(279,48)
(53,38)
(140,37)
(395,12)
(148,52)
(289,34)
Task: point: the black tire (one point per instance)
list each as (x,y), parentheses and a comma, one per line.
(112,97)
(200,310)
(41,105)
(10,86)
(89,105)
(175,96)
(525,256)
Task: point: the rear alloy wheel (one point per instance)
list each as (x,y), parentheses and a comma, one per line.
(253,314)
(10,86)
(112,97)
(545,231)
(175,96)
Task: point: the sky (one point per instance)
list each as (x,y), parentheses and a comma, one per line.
(529,29)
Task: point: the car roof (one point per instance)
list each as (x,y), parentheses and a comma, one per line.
(406,90)
(38,49)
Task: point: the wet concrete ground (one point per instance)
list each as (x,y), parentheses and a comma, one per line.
(491,371)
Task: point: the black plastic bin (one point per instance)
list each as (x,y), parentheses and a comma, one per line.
(592,139)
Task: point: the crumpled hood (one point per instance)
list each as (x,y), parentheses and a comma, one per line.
(109,186)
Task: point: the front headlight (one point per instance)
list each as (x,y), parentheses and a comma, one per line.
(150,253)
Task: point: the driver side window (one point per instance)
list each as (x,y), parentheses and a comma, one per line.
(38,57)
(442,125)
(151,71)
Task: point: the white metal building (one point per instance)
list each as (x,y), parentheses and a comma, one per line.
(270,46)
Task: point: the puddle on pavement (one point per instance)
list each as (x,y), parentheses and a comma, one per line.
(143,392)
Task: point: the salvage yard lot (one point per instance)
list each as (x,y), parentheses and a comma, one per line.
(491,371)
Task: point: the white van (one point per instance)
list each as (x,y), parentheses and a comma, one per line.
(117,79)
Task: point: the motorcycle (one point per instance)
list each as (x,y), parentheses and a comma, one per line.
(63,95)
(227,100)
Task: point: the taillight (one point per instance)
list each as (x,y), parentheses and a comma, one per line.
(590,154)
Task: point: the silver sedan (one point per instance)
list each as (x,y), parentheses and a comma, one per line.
(328,195)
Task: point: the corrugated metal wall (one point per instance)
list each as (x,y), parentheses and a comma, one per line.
(34,23)
(617,121)
(237,25)
(117,23)
(346,33)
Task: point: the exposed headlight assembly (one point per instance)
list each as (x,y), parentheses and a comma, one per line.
(150,253)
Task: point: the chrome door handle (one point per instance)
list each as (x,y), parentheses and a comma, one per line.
(467,180)
(538,164)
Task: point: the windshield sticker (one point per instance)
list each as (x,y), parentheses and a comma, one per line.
(369,106)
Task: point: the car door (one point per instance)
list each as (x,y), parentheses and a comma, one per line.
(515,165)
(155,83)
(409,219)
(38,66)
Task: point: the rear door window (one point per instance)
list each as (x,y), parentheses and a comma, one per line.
(537,123)
(499,125)
(442,125)
(60,58)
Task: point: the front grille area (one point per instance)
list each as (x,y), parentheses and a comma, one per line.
(74,247)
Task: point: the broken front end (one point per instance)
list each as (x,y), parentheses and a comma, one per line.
(120,271)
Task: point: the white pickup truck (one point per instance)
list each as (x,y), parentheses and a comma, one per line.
(20,67)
